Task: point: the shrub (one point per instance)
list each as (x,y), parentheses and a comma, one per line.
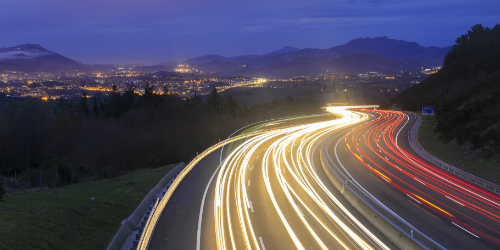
(2,189)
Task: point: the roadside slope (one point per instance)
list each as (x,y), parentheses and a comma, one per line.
(38,220)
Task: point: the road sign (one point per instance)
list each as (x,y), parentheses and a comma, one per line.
(427,110)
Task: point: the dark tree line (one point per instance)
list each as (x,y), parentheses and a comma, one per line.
(465,92)
(124,131)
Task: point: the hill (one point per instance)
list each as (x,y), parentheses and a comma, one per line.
(392,48)
(33,57)
(465,92)
(88,213)
(285,49)
(353,63)
(309,60)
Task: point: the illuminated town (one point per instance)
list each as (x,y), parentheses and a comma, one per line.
(45,86)
(185,81)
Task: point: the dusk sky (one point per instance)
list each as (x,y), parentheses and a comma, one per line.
(155,31)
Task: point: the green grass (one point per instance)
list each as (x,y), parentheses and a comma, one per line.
(75,221)
(452,153)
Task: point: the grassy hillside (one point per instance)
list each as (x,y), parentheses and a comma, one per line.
(453,153)
(465,93)
(41,220)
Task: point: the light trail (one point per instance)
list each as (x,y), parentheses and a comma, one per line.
(288,181)
(473,209)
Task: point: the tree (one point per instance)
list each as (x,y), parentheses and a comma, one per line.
(195,103)
(214,102)
(83,108)
(230,105)
(60,107)
(148,97)
(112,106)
(128,99)
(95,106)
(2,189)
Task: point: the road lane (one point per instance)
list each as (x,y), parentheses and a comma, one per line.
(271,193)
(455,215)
(286,205)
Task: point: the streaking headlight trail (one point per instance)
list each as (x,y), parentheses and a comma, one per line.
(375,146)
(290,191)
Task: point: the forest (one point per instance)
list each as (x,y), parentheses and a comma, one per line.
(465,92)
(92,138)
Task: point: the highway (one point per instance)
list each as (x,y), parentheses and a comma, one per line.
(453,212)
(270,192)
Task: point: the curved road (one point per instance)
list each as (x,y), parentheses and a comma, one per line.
(270,192)
(453,212)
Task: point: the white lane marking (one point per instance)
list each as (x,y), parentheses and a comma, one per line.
(379,151)
(386,158)
(257,157)
(414,199)
(249,183)
(198,234)
(398,168)
(465,230)
(419,181)
(262,243)
(284,170)
(251,206)
(251,168)
(455,201)
(300,210)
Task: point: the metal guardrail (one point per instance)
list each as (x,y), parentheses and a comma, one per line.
(131,224)
(392,218)
(415,145)
(150,226)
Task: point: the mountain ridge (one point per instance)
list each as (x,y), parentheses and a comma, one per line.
(383,47)
(33,57)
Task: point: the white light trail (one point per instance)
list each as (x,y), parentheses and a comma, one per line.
(289,149)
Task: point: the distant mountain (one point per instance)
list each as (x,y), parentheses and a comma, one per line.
(242,58)
(354,63)
(218,66)
(33,57)
(285,49)
(392,48)
(409,54)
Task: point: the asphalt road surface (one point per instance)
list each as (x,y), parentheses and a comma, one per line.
(451,211)
(270,192)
